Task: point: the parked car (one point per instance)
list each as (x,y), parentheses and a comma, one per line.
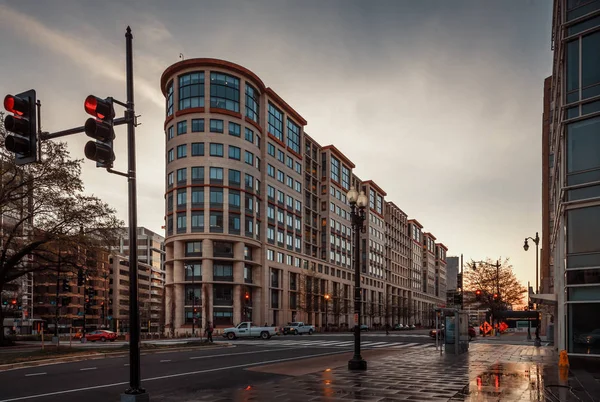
(441,334)
(249,330)
(590,338)
(398,327)
(298,328)
(101,335)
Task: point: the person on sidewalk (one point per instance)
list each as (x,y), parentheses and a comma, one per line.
(387,329)
(209,332)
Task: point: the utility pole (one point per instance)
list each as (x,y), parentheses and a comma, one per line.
(57,309)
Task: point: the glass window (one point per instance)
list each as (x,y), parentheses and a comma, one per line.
(216,126)
(590,62)
(216,173)
(216,149)
(270,192)
(197,125)
(191,90)
(234,177)
(182,127)
(275,122)
(181,198)
(289,162)
(234,198)
(335,169)
(293,136)
(271,149)
(252,103)
(249,227)
(216,195)
(171,155)
(280,156)
(345,177)
(249,158)
(170,179)
(216,221)
(583,230)
(280,176)
(584,326)
(181,151)
(298,168)
(270,170)
(181,175)
(234,129)
(197,197)
(181,222)
(170,98)
(170,134)
(198,174)
(193,249)
(224,91)
(249,135)
(197,149)
(234,223)
(198,221)
(249,181)
(234,152)
(583,151)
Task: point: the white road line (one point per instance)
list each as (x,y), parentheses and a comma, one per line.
(88,368)
(404,346)
(233,354)
(385,345)
(165,361)
(425,345)
(375,343)
(70,391)
(34,374)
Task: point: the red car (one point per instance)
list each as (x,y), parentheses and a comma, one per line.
(101,335)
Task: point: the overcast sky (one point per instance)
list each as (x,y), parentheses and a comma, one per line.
(438,102)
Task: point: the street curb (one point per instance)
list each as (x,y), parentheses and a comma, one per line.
(98,356)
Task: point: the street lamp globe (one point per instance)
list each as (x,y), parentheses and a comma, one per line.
(352,195)
(526,245)
(362,200)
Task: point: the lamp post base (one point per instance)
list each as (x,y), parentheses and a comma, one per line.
(357,364)
(537,342)
(135,397)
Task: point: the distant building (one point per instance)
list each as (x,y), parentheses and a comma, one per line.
(452,269)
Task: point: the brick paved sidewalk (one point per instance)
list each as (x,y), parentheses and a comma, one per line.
(486,373)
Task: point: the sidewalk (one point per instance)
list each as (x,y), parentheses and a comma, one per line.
(487,373)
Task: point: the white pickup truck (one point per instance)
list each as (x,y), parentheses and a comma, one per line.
(298,328)
(249,330)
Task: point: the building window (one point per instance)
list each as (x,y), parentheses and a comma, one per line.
(197,197)
(181,198)
(274,278)
(584,327)
(249,135)
(193,249)
(583,163)
(191,90)
(249,158)
(234,199)
(198,221)
(234,153)
(170,155)
(181,151)
(170,98)
(224,92)
(216,222)
(249,226)
(275,122)
(271,149)
(181,222)
(234,129)
(170,179)
(182,127)
(271,192)
(170,134)
(252,103)
(280,156)
(234,223)
(234,178)
(293,136)
(216,175)
(345,178)
(249,181)
(182,175)
(270,170)
(197,149)
(216,149)
(216,197)
(216,126)
(197,125)
(198,174)
(583,232)
(335,169)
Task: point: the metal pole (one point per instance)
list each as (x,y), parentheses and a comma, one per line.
(135,387)
(57,310)
(537,266)
(357,362)
(193,301)
(528,320)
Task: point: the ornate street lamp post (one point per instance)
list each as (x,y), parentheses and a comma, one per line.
(358,202)
(536,240)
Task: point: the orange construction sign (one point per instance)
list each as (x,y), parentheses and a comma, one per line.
(503,326)
(485,327)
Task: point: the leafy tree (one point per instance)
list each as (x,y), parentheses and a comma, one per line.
(44,209)
(488,280)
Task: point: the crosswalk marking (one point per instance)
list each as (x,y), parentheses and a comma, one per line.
(334,344)
(406,345)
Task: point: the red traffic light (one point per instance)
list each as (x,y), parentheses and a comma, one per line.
(478,292)
(101,108)
(16,105)
(495,295)
(247,296)
(14,301)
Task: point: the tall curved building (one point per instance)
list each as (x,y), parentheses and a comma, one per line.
(257,223)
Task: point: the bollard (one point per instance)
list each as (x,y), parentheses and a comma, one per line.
(563,360)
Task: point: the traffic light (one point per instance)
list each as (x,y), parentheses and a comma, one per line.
(4,302)
(101,129)
(478,295)
(23,124)
(495,296)
(66,287)
(247,297)
(530,305)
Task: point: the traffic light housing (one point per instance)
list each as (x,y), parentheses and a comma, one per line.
(247,297)
(80,277)
(478,295)
(100,128)
(530,305)
(23,125)
(66,287)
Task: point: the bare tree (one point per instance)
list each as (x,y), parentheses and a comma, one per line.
(308,292)
(172,311)
(487,279)
(338,305)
